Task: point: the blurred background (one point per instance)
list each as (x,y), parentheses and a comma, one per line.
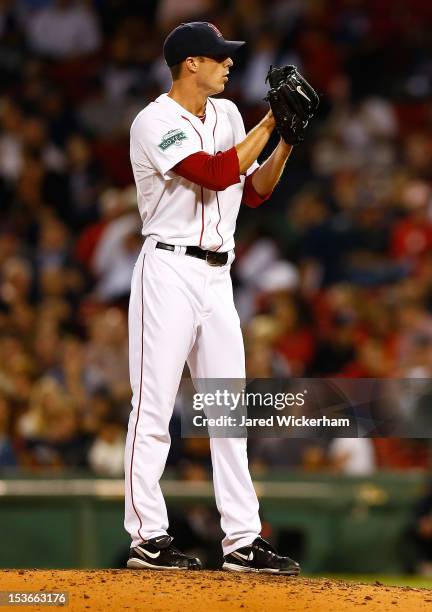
(333,275)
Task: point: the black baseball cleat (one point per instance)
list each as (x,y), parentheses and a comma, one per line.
(260,556)
(160,554)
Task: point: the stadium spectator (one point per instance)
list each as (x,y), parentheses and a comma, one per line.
(7,453)
(352,456)
(63,29)
(106,454)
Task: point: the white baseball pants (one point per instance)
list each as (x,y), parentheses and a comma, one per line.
(181,309)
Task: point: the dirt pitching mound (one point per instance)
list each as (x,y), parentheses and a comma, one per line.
(172,591)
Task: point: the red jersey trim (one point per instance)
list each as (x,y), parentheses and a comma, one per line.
(250,196)
(217,196)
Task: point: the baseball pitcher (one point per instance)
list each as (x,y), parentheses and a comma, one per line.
(194,166)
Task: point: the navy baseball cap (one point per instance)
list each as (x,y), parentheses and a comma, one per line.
(197,38)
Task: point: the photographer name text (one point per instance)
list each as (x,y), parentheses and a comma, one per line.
(278,420)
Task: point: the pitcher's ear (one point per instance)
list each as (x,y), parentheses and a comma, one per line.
(192,64)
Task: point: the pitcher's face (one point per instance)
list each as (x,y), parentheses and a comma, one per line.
(212,74)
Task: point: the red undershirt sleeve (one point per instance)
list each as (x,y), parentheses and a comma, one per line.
(250,196)
(215,172)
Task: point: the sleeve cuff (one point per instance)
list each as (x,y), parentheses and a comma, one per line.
(250,196)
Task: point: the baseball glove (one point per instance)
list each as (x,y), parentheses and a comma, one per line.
(293,102)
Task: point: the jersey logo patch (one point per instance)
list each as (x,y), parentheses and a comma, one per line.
(173,137)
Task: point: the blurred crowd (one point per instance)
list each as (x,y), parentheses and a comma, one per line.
(333,275)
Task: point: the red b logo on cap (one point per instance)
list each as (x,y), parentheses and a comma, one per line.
(213,27)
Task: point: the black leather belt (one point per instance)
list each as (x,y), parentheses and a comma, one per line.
(211,257)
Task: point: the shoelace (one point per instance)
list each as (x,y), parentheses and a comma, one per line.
(172,548)
(266,547)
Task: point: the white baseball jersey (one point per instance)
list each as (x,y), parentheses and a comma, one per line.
(182,309)
(173,209)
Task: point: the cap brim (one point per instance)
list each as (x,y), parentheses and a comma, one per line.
(228,47)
